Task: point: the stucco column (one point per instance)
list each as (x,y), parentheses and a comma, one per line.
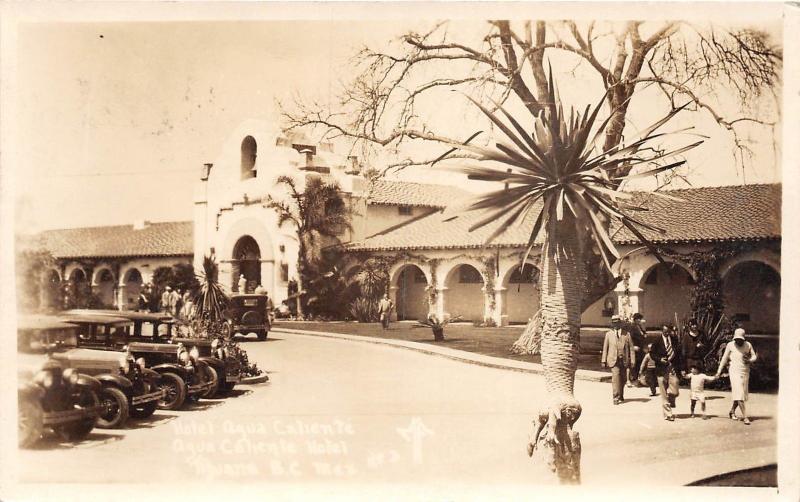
(268,278)
(629,302)
(499,301)
(393,297)
(440,302)
(488,299)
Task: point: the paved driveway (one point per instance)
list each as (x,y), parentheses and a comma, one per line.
(342,411)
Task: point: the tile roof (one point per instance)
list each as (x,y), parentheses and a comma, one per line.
(405,193)
(745,212)
(155,239)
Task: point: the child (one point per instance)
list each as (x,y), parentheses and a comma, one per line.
(648,369)
(697,385)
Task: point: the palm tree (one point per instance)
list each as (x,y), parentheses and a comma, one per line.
(561,171)
(319,215)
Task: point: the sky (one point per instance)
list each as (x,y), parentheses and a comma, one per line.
(115,120)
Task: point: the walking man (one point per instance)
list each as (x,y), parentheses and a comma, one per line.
(638,331)
(667,355)
(617,350)
(385,309)
(166,298)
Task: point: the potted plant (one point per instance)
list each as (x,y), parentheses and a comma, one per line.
(436,325)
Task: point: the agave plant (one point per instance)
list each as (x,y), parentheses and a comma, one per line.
(436,325)
(211,299)
(560,171)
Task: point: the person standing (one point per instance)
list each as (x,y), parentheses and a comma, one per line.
(166,297)
(385,310)
(637,333)
(667,356)
(648,369)
(143,303)
(617,350)
(740,354)
(697,384)
(177,302)
(242,284)
(692,346)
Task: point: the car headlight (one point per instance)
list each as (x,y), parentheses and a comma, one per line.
(183,356)
(71,376)
(194,353)
(140,363)
(46,379)
(124,364)
(214,344)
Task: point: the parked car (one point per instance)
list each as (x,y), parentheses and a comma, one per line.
(225,371)
(248,314)
(183,375)
(62,400)
(33,331)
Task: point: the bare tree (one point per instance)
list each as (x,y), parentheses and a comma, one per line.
(727,73)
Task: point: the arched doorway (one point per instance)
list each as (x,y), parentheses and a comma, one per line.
(752,292)
(105,287)
(522,294)
(464,296)
(667,293)
(412,301)
(246,261)
(132,287)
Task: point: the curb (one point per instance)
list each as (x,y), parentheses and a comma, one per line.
(454,354)
(254,379)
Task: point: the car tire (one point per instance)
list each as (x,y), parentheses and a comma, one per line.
(211,374)
(30,419)
(176,392)
(79,430)
(262,335)
(227,387)
(115,409)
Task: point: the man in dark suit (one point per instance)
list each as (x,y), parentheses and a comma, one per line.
(637,333)
(667,355)
(617,350)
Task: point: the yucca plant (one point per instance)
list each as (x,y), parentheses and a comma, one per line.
(560,170)
(211,299)
(437,326)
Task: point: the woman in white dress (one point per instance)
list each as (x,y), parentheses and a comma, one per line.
(741,355)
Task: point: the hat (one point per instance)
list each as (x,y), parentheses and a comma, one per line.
(169,288)
(738,334)
(616,318)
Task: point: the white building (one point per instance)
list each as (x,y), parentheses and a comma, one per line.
(436,263)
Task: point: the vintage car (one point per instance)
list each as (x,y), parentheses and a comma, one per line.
(159,328)
(62,400)
(128,388)
(248,314)
(183,375)
(34,330)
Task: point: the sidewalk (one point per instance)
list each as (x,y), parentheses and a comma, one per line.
(458,355)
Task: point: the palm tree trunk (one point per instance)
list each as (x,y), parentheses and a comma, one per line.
(561,297)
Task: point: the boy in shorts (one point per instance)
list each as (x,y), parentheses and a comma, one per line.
(697,386)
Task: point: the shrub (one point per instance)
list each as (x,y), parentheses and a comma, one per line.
(364,310)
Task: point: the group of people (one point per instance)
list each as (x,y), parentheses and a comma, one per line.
(665,361)
(177,302)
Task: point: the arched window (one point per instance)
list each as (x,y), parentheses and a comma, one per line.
(249,152)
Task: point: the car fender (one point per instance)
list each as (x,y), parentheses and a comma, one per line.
(107,379)
(215,363)
(30,390)
(150,375)
(172,368)
(88,381)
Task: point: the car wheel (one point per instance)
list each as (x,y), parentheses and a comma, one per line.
(212,375)
(113,408)
(227,386)
(175,393)
(262,335)
(79,430)
(147,409)
(30,418)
